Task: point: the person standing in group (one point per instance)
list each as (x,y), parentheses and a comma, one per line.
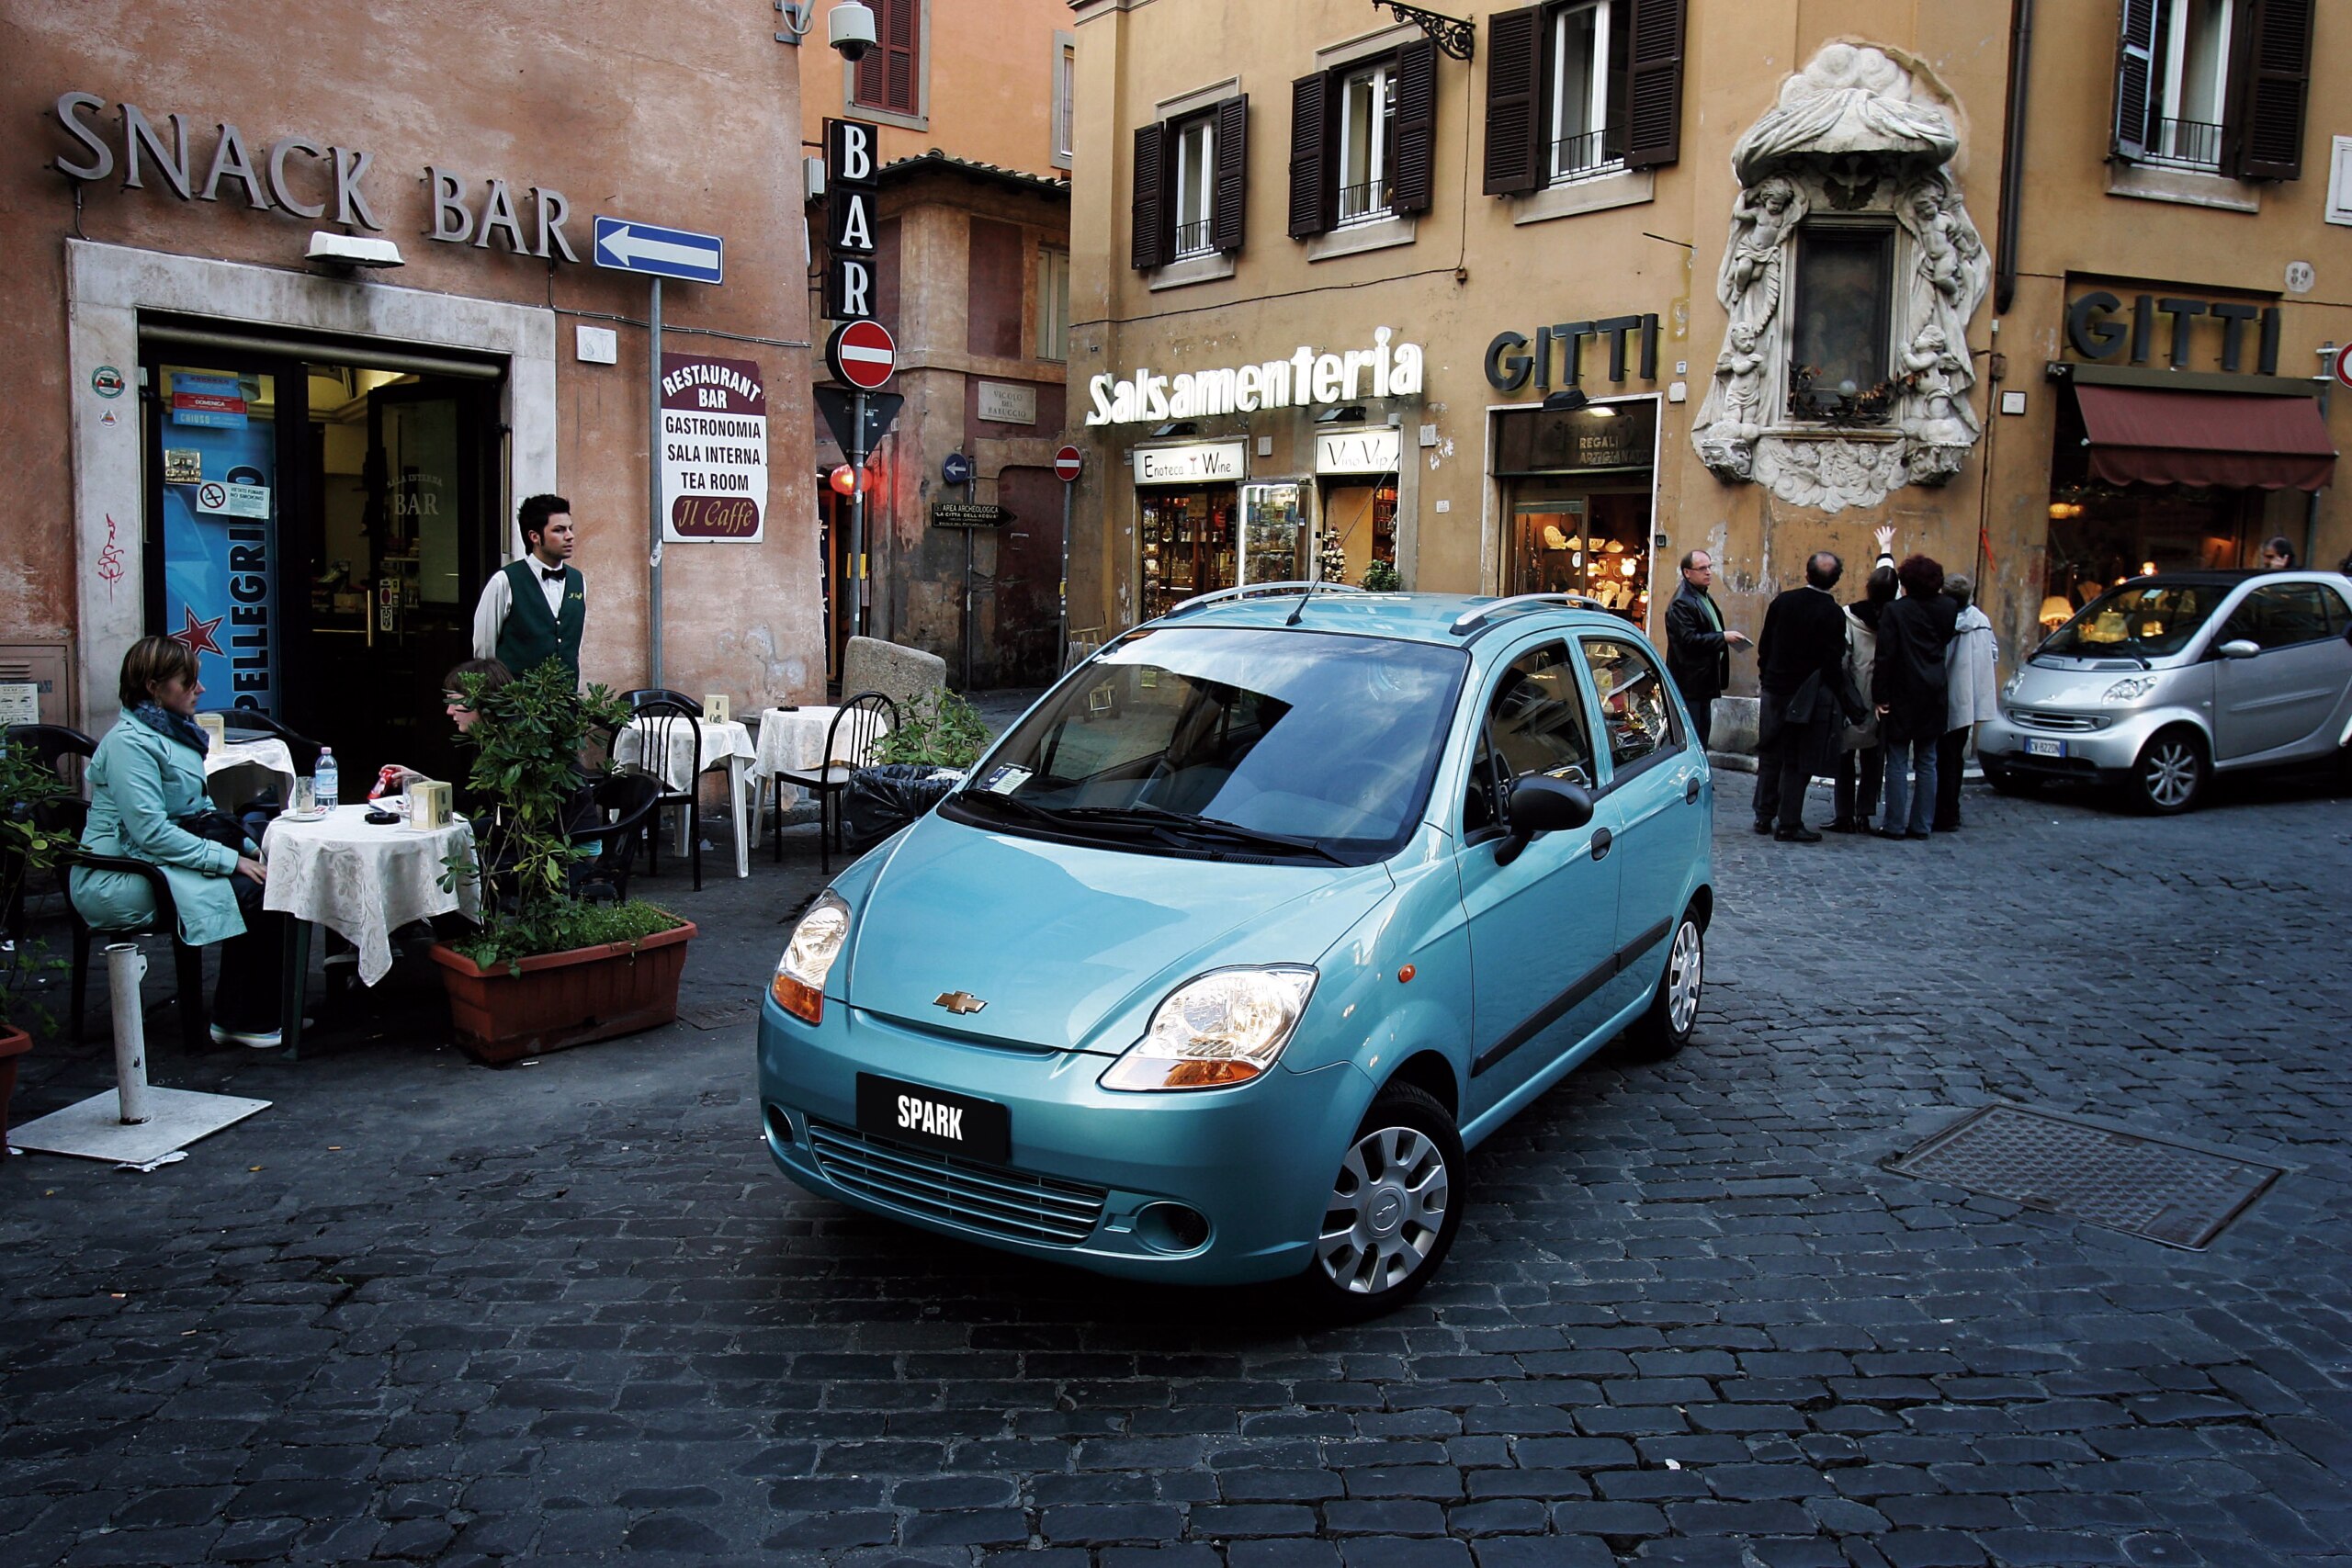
(1800,665)
(1861,762)
(1698,644)
(1971,695)
(1909,688)
(2277,553)
(532,609)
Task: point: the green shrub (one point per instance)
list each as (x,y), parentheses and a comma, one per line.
(941,728)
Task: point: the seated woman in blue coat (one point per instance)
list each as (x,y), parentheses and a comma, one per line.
(148,774)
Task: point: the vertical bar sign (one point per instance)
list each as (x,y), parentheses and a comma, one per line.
(714,448)
(850,185)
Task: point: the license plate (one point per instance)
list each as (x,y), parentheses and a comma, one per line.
(2035,747)
(933,1119)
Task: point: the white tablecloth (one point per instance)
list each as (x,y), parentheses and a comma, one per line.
(793,741)
(364,879)
(243,769)
(719,742)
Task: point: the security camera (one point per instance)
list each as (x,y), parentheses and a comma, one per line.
(850,28)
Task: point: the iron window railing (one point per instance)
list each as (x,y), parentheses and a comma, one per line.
(2191,143)
(1361,203)
(1192,239)
(1591,153)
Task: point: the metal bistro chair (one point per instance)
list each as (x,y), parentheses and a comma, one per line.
(645,695)
(631,800)
(188,961)
(831,774)
(63,750)
(659,721)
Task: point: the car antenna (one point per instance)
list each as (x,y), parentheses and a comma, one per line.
(1300,608)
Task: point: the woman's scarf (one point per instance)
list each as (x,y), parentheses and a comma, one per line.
(171,726)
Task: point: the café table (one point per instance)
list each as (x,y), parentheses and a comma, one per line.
(726,744)
(361,880)
(793,741)
(243,769)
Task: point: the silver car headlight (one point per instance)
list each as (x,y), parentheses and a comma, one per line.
(2131,689)
(799,983)
(2010,687)
(1222,1028)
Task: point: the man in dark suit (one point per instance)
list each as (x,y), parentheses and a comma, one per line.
(1698,644)
(534,608)
(1800,665)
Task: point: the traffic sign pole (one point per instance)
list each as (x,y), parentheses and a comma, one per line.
(1066,467)
(858,597)
(653,486)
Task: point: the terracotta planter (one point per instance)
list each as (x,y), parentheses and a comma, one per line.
(14,1043)
(558,999)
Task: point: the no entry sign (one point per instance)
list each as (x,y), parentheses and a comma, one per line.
(862,354)
(1067,462)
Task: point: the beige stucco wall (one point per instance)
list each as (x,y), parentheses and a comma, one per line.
(987,88)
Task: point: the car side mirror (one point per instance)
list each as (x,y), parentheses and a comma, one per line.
(2239,648)
(1540,803)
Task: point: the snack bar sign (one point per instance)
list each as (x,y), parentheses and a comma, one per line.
(713,449)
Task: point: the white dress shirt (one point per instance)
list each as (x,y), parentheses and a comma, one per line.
(498,598)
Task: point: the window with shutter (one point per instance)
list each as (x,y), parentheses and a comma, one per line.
(2275,82)
(1193,152)
(1413,184)
(1514,84)
(1229,209)
(1149,241)
(2134,68)
(1313,124)
(891,77)
(1654,82)
(1589,51)
(1366,142)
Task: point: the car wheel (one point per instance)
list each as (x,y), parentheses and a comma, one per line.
(1673,1012)
(1393,1209)
(2171,773)
(2006,780)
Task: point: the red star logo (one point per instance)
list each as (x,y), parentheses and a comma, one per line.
(196,635)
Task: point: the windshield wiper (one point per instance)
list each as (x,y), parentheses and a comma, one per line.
(1177,823)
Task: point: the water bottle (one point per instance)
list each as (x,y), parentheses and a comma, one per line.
(324,780)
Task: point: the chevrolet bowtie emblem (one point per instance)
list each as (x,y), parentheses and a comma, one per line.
(958,1001)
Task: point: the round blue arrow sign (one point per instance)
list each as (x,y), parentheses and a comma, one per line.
(956,469)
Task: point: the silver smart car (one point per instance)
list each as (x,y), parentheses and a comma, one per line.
(2162,681)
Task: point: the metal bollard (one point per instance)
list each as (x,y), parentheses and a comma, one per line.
(126,967)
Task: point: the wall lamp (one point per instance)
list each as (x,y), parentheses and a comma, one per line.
(1341,413)
(1176,427)
(1567,399)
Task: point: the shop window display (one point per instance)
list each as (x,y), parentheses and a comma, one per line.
(1187,545)
(2102,535)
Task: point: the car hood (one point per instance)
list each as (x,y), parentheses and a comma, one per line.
(2081,687)
(1069,946)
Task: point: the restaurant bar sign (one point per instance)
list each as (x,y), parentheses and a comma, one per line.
(714,448)
(2100,325)
(1304,380)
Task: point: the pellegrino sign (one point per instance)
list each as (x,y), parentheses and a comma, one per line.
(1302,380)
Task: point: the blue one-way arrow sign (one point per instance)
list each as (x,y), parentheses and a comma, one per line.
(627,246)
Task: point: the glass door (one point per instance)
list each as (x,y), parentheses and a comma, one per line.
(1548,547)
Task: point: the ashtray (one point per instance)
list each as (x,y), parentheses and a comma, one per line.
(316,814)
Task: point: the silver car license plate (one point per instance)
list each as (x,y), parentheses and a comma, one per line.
(2036,747)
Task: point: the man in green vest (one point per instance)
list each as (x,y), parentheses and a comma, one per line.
(532,610)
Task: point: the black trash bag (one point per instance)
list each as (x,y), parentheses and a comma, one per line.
(879,801)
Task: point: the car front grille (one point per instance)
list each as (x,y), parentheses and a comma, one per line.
(2073,722)
(993,1199)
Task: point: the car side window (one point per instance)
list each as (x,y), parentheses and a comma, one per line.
(2280,616)
(1636,713)
(2339,614)
(1535,722)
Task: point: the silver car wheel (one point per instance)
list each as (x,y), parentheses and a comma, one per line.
(1682,978)
(1386,1210)
(2171,771)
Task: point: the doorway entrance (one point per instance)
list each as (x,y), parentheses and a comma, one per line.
(318,529)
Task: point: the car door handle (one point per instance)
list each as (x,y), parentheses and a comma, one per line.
(1690,790)
(1601,838)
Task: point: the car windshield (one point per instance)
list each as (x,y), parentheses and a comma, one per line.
(1229,741)
(2147,619)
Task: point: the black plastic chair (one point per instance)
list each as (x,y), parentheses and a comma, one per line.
(645,695)
(188,961)
(831,776)
(305,750)
(56,745)
(624,803)
(658,722)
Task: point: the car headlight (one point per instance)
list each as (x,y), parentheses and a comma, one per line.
(1225,1026)
(799,984)
(2131,689)
(2010,687)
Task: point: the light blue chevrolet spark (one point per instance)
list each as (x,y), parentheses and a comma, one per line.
(1227,951)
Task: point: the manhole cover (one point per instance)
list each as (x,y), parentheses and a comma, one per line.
(2146,1186)
(720,1014)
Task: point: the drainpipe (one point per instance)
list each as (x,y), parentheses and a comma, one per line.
(2005,257)
(2310,501)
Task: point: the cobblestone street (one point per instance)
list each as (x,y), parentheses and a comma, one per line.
(566,1311)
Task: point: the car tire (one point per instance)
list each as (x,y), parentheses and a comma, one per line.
(2171,773)
(1673,1013)
(1395,1206)
(2006,780)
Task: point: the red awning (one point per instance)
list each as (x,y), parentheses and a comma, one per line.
(2152,436)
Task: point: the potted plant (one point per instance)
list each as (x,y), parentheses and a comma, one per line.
(548,968)
(915,765)
(28,843)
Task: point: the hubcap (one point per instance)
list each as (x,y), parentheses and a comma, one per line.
(1682,967)
(1386,1211)
(2171,772)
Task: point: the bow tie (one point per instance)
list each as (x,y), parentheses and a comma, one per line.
(553,573)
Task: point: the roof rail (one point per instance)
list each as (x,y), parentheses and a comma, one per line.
(1479,615)
(1250,591)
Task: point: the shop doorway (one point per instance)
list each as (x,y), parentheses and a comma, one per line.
(1187,543)
(1358,526)
(318,529)
(1577,491)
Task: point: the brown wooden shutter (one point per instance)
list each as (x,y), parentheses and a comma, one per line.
(2135,52)
(890,77)
(1413,187)
(1150,212)
(1314,193)
(2270,92)
(1654,87)
(1514,100)
(1229,205)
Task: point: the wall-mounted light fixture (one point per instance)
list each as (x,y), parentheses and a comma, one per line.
(1567,399)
